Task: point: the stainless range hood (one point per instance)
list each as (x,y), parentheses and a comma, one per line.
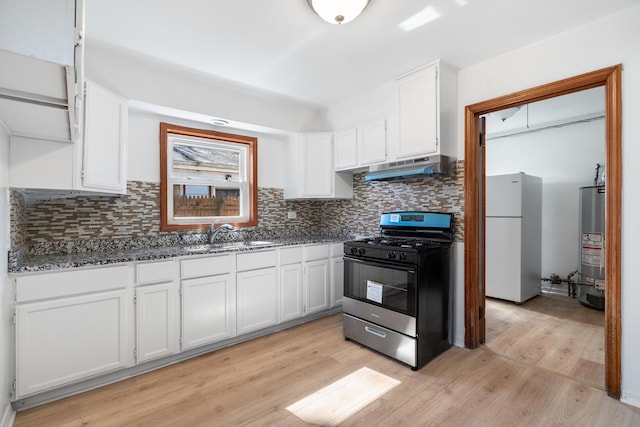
(410,169)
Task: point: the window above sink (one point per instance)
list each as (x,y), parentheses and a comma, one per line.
(207,177)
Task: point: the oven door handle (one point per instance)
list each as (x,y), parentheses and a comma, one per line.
(381,264)
(375,332)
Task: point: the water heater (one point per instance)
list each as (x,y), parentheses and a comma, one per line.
(590,291)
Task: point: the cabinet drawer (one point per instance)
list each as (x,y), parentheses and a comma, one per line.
(254,260)
(208,266)
(290,255)
(337,249)
(153,272)
(316,252)
(67,283)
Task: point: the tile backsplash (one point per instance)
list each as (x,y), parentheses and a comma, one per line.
(59,224)
(362,213)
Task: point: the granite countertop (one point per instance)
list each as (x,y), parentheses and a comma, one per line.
(25,263)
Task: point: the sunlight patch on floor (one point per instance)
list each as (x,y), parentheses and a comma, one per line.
(338,401)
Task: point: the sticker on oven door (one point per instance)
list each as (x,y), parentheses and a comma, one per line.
(374,291)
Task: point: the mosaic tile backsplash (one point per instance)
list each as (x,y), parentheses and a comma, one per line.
(85,223)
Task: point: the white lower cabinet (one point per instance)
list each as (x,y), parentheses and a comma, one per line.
(208,290)
(157,307)
(257,296)
(291,283)
(208,310)
(257,299)
(77,324)
(156,321)
(63,340)
(317,285)
(317,279)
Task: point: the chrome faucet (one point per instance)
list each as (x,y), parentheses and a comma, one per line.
(213,232)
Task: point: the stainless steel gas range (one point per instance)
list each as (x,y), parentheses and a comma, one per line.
(398,288)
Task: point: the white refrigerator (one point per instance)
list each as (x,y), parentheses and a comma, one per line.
(513,236)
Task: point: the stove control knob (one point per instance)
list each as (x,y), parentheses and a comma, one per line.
(361,251)
(354,251)
(391,255)
(403,256)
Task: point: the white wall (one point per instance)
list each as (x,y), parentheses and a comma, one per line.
(565,159)
(158,83)
(144,150)
(6,331)
(377,103)
(611,40)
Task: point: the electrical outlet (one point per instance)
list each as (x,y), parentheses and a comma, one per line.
(292,215)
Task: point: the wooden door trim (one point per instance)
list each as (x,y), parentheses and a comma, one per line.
(611,79)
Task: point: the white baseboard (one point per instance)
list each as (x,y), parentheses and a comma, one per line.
(630,399)
(8,416)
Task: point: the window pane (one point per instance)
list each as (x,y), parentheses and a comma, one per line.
(191,201)
(213,162)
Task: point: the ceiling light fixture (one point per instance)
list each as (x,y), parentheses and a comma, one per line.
(504,114)
(338,11)
(219,122)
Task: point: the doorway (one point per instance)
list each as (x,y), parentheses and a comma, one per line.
(611,79)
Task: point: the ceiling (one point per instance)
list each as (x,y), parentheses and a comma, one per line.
(282,47)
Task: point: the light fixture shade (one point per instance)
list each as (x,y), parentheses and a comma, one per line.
(504,114)
(338,11)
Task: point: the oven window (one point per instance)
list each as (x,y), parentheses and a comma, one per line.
(387,286)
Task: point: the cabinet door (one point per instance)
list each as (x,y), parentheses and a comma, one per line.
(105,135)
(208,310)
(317,285)
(68,339)
(317,167)
(418,113)
(346,149)
(257,299)
(39,29)
(337,281)
(372,143)
(156,321)
(291,292)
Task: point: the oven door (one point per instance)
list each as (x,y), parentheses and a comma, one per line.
(388,285)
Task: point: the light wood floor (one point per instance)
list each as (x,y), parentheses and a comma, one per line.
(252,383)
(553,332)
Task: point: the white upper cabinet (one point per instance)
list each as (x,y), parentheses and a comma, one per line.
(97,163)
(317,173)
(311,171)
(42,29)
(426,106)
(346,149)
(105,136)
(41,57)
(362,146)
(372,143)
